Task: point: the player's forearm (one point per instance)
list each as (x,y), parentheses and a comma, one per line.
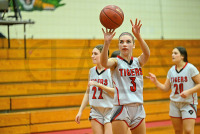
(84,102)
(104,56)
(195,89)
(160,86)
(109,90)
(144,47)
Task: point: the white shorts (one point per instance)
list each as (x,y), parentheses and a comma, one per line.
(100,114)
(183,110)
(132,115)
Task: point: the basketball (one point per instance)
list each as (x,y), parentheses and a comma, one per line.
(111,17)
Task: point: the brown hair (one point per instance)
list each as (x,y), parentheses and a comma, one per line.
(100,48)
(115,54)
(127,33)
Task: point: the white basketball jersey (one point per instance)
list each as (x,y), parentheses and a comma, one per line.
(97,96)
(181,81)
(128,82)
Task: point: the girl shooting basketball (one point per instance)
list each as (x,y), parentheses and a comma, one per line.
(184,80)
(127,77)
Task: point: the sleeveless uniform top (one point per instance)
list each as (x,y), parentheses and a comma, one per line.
(181,81)
(128,82)
(97,96)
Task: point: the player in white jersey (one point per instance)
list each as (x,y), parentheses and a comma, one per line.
(101,102)
(110,90)
(184,80)
(127,76)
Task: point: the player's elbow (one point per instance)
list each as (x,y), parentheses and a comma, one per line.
(166,89)
(147,54)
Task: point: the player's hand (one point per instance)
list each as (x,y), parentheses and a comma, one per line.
(136,27)
(185,94)
(78,117)
(92,83)
(152,77)
(108,35)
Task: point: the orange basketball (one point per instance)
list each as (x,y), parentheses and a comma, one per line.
(111,17)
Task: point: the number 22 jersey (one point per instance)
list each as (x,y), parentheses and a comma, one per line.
(128,82)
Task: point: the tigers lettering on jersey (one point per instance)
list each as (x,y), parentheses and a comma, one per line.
(130,72)
(101,81)
(179,79)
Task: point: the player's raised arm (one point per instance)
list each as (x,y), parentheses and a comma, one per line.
(143,58)
(108,36)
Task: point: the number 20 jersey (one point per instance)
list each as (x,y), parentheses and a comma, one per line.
(181,81)
(128,82)
(98,97)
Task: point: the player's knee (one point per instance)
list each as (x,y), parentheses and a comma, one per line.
(178,131)
(188,130)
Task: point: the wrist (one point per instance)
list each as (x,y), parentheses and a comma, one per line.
(107,43)
(156,82)
(80,112)
(98,84)
(138,37)
(81,109)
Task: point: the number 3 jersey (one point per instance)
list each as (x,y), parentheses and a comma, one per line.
(97,96)
(128,82)
(181,81)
